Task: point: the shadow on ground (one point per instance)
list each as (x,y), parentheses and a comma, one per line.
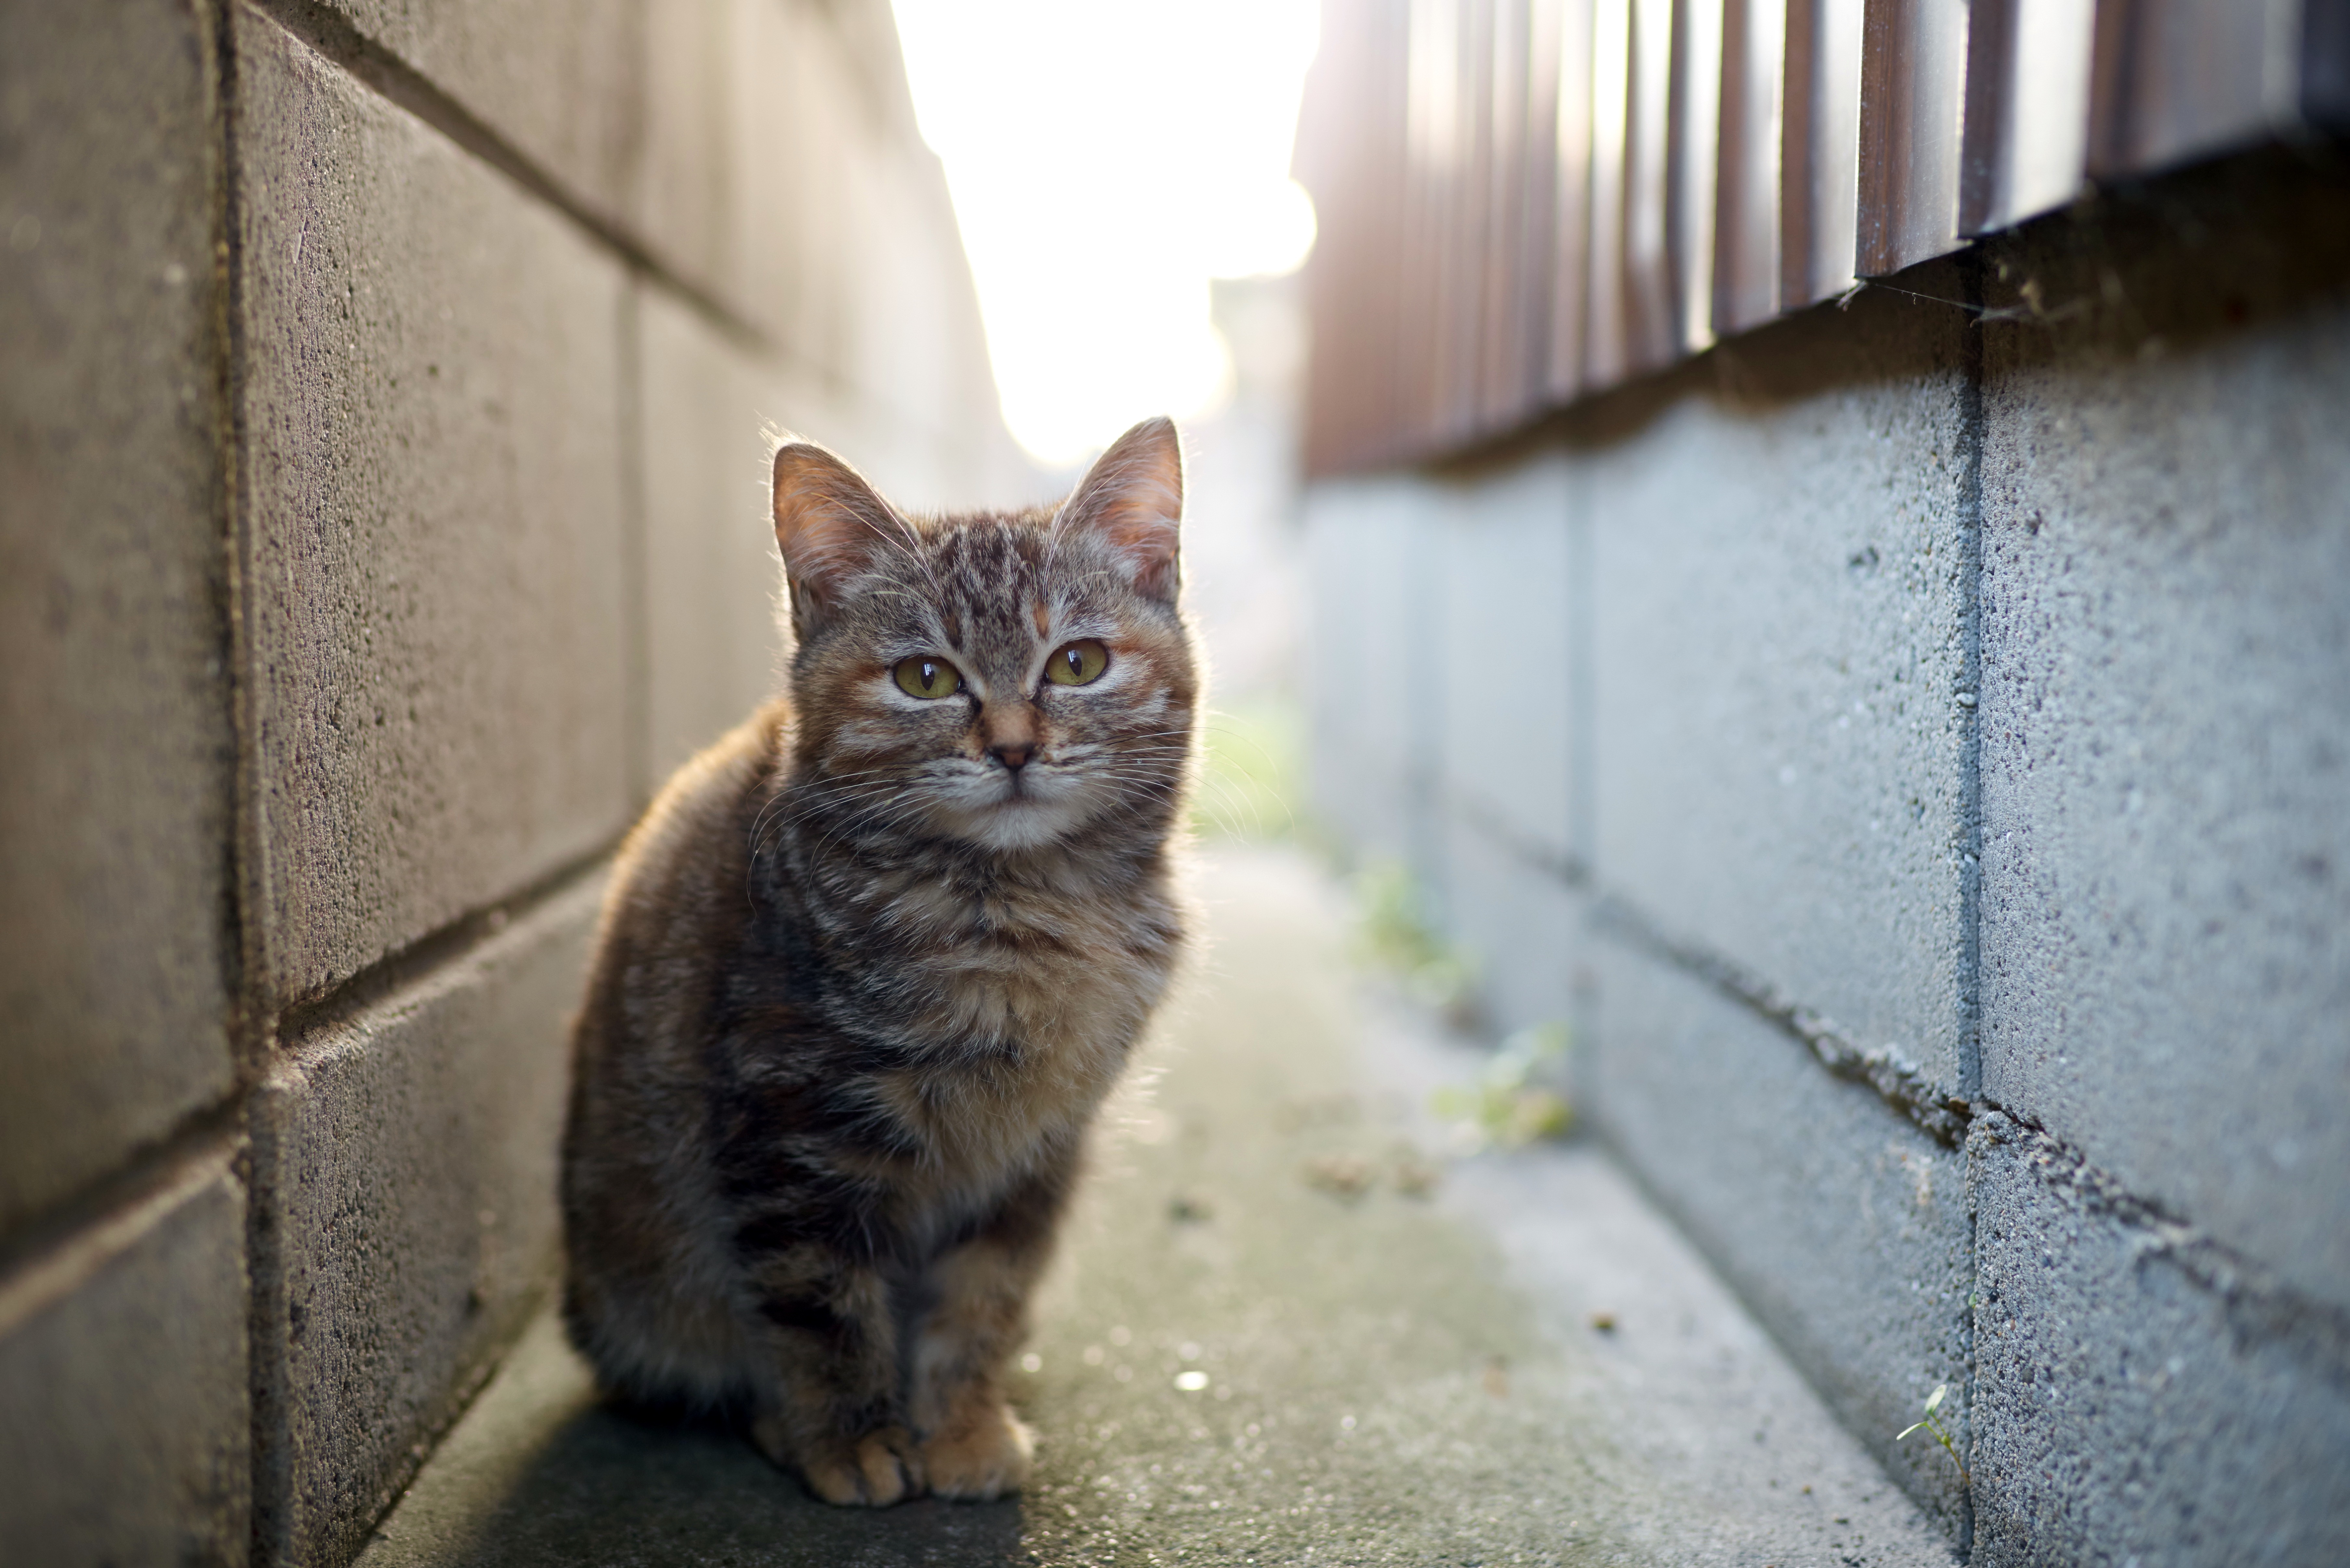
(603,1488)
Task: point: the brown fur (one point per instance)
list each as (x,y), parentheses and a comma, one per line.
(866,970)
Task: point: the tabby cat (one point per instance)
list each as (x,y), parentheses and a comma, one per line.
(867,967)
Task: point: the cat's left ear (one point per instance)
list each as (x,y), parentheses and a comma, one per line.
(1132,500)
(831,526)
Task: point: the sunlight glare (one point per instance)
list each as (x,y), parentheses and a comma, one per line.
(1106,159)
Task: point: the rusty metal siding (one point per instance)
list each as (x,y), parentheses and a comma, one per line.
(1525,201)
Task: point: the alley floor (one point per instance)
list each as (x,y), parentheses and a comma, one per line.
(1284,1327)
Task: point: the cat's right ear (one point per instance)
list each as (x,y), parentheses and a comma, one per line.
(830,525)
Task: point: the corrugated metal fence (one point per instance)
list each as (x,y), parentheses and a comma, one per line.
(1523,202)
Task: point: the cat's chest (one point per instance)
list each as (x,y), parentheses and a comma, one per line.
(1020,1009)
(1022,969)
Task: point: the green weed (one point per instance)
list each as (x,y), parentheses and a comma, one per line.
(1931,1423)
(1510,1106)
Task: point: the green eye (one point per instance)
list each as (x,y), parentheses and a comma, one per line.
(1078,664)
(927,678)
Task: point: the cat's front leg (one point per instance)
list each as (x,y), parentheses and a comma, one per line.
(973,1445)
(830,1407)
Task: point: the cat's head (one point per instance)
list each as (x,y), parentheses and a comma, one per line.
(1007,680)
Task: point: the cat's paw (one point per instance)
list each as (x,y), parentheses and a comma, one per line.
(875,1470)
(983,1454)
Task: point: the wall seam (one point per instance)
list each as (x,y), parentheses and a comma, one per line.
(1971,435)
(102,1203)
(1937,1109)
(383,72)
(436,950)
(2261,1307)
(389,77)
(250,1024)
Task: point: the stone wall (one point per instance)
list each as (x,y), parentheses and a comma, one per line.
(1914,754)
(383,476)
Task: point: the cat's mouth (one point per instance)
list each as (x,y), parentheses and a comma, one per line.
(1017,808)
(1024,788)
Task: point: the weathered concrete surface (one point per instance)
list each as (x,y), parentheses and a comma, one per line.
(785,174)
(1840,1223)
(2167,717)
(116,771)
(1522,927)
(1778,617)
(437,533)
(1495,623)
(2133,1404)
(1375,682)
(762,152)
(404,1164)
(1517,922)
(1389,1380)
(708,573)
(562,84)
(124,1426)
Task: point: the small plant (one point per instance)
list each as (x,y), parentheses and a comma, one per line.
(1510,1106)
(1395,933)
(1941,1434)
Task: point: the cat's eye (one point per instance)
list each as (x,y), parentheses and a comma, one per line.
(922,676)
(1077,664)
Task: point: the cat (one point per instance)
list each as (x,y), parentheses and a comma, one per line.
(869,966)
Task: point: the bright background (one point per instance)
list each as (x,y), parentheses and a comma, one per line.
(1107,159)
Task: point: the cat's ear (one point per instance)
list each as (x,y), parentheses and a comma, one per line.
(1132,499)
(830,525)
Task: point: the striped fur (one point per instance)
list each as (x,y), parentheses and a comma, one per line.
(860,984)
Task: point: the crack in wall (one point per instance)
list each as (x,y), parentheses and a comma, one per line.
(1939,1110)
(2261,1307)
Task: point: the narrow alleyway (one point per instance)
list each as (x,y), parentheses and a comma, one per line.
(1282,1330)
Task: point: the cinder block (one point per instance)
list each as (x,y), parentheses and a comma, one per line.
(564,85)
(813,139)
(1499,634)
(2127,1411)
(441,664)
(785,174)
(1372,688)
(116,775)
(1519,920)
(764,152)
(755,128)
(126,1432)
(404,1164)
(1778,640)
(1844,1226)
(2166,768)
(711,578)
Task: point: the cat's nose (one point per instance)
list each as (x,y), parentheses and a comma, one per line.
(1015,756)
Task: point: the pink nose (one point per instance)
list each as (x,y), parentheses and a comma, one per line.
(1015,757)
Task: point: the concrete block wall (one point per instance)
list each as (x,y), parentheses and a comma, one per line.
(383,441)
(1929,739)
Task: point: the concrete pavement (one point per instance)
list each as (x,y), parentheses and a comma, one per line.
(1283,1329)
